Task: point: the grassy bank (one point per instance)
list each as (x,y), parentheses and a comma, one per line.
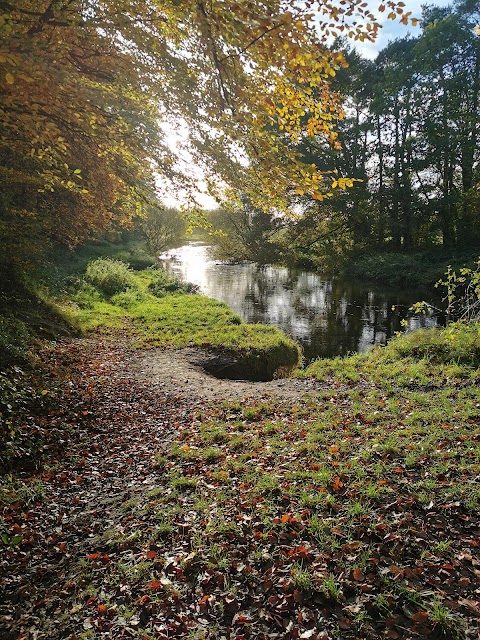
(408,270)
(159,311)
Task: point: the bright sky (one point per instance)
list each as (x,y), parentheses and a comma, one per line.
(392,29)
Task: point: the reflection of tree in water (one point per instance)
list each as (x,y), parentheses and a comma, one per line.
(328,317)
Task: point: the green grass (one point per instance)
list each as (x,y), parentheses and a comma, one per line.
(176,320)
(424,358)
(335,496)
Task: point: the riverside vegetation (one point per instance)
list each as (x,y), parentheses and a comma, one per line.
(131,511)
(350,513)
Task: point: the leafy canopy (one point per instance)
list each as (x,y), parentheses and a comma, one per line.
(86,85)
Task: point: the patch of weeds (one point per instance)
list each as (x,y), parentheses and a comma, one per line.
(329,500)
(356,509)
(238,443)
(382,605)
(182,483)
(302,579)
(330,588)
(161,462)
(221,476)
(162,531)
(156,492)
(258,412)
(14,490)
(311,500)
(450,626)
(218,558)
(267,485)
(411,460)
(130,505)
(213,434)
(218,524)
(441,547)
(201,505)
(211,455)
(133,572)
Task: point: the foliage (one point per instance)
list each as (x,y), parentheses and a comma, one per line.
(109,276)
(91,94)
(163,228)
(462,293)
(417,156)
(164,282)
(21,394)
(244,233)
(14,339)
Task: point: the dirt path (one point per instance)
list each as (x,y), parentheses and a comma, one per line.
(114,409)
(181,371)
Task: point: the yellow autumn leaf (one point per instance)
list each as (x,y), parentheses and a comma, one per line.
(9,78)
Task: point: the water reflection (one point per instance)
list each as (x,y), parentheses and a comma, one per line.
(327,317)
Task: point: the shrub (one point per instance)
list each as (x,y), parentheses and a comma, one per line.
(128,298)
(87,296)
(164,282)
(109,276)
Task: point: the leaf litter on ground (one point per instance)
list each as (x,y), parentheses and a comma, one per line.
(351,512)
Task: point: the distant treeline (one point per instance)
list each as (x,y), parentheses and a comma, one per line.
(411,134)
(410,140)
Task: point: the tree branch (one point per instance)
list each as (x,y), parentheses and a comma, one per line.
(239,53)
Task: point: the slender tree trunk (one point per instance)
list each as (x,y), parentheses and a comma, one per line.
(396,231)
(381,194)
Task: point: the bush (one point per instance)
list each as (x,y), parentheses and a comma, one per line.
(128,298)
(136,256)
(109,276)
(87,296)
(164,282)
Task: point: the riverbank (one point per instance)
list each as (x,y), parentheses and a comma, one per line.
(410,270)
(153,500)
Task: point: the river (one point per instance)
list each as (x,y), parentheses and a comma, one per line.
(327,316)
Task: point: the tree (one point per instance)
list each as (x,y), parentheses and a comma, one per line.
(245,233)
(163,228)
(448,61)
(84,84)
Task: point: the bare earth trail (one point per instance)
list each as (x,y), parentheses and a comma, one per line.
(115,408)
(182,371)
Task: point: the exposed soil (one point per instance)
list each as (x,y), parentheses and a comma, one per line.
(185,371)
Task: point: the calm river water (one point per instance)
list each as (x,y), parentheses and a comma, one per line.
(328,317)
